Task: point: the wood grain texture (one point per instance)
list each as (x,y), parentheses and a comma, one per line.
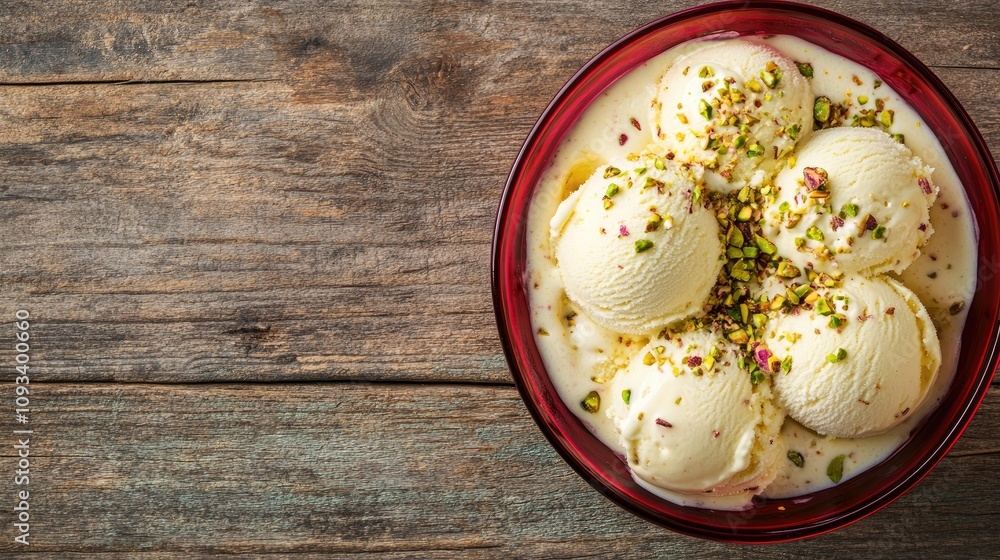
(392,468)
(79,40)
(231,232)
(254,239)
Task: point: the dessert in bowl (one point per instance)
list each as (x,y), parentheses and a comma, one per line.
(678,376)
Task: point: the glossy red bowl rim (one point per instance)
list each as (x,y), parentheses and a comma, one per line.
(566,432)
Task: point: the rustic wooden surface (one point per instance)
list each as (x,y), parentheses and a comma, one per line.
(254,240)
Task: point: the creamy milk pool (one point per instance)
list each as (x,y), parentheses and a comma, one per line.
(580,356)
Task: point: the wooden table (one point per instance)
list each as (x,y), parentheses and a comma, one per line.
(253,239)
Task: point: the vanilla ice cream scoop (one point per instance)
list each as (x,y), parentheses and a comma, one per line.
(689,420)
(635,247)
(864,376)
(855,201)
(737,107)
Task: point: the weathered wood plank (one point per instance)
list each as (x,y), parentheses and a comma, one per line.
(178,232)
(72,40)
(388,468)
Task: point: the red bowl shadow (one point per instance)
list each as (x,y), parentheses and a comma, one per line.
(773,520)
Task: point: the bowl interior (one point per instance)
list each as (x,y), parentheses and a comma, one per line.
(768,520)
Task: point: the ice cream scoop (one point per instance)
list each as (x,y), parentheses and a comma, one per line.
(737,107)
(689,420)
(635,246)
(855,201)
(861,359)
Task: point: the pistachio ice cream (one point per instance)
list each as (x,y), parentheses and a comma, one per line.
(690,420)
(861,358)
(855,200)
(736,108)
(635,248)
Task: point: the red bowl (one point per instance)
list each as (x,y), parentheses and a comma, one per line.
(771,520)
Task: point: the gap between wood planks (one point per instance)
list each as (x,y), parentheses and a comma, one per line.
(331,382)
(136,82)
(128,82)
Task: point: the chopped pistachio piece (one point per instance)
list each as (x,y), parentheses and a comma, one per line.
(755,150)
(750,252)
(592,402)
(659,164)
(786,364)
(650,183)
(765,245)
(627,396)
(862,99)
(769,78)
(612,171)
(837,356)
(793,132)
(849,210)
(653,223)
(814,233)
(886,117)
(821,108)
(739,141)
(865,119)
(612,190)
(735,236)
(837,320)
(741,275)
(788,270)
(745,214)
(708,363)
(643,245)
(777,302)
(649,359)
(899,138)
(878,232)
(739,336)
(823,307)
(706,72)
(796,458)
(835,470)
(805,69)
(704,109)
